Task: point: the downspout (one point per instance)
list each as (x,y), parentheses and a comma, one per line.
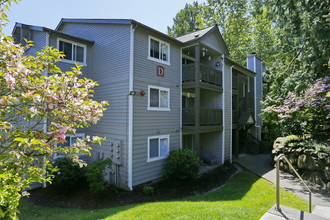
(180,87)
(130,112)
(223,109)
(231,113)
(255,89)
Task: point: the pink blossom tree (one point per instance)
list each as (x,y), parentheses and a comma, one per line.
(39,105)
(304,113)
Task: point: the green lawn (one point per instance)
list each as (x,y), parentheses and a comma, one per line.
(245,196)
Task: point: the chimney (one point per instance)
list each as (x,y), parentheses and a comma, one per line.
(254,64)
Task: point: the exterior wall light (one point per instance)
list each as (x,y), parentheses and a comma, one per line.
(132,93)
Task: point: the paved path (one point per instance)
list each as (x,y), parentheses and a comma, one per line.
(262,165)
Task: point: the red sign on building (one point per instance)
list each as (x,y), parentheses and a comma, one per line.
(160,71)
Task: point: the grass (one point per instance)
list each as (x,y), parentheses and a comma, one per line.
(245,196)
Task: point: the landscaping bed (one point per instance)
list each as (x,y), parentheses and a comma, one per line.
(164,190)
(245,196)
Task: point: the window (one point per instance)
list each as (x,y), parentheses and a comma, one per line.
(159,50)
(73,52)
(158,98)
(70,139)
(158,147)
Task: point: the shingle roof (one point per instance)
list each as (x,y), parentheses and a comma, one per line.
(40,28)
(113,21)
(195,35)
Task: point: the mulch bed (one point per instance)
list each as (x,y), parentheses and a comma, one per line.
(164,191)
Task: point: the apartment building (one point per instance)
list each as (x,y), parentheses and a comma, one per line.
(165,93)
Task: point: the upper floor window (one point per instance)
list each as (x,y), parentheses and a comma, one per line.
(73,52)
(159,50)
(158,98)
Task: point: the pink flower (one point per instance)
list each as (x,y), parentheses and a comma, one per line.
(3,101)
(29,92)
(60,136)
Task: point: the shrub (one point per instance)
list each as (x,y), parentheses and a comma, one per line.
(95,175)
(148,190)
(314,144)
(69,175)
(182,164)
(290,139)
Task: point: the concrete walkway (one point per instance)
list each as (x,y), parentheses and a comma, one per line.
(262,165)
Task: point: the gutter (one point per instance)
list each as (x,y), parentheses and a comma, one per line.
(223,110)
(231,113)
(240,68)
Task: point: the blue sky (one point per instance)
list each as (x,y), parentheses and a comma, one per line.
(157,14)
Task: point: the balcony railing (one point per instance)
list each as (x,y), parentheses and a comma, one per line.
(207,74)
(208,117)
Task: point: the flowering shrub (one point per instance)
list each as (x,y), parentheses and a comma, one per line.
(304,113)
(39,105)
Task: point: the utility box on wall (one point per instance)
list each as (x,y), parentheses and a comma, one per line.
(116,151)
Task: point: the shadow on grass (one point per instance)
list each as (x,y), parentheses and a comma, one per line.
(236,188)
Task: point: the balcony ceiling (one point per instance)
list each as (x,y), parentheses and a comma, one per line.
(204,51)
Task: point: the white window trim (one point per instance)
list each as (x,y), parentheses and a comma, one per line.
(77,44)
(159,108)
(168,147)
(159,60)
(78,135)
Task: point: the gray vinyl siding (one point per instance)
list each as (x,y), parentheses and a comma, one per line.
(258,92)
(39,41)
(211,147)
(64,66)
(250,66)
(213,41)
(153,123)
(227,113)
(255,64)
(108,64)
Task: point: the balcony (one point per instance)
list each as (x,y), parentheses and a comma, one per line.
(208,117)
(207,75)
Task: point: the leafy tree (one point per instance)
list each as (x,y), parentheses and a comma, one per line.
(39,105)
(236,26)
(188,19)
(302,54)
(304,113)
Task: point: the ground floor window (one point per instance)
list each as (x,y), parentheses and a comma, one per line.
(158,147)
(69,140)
